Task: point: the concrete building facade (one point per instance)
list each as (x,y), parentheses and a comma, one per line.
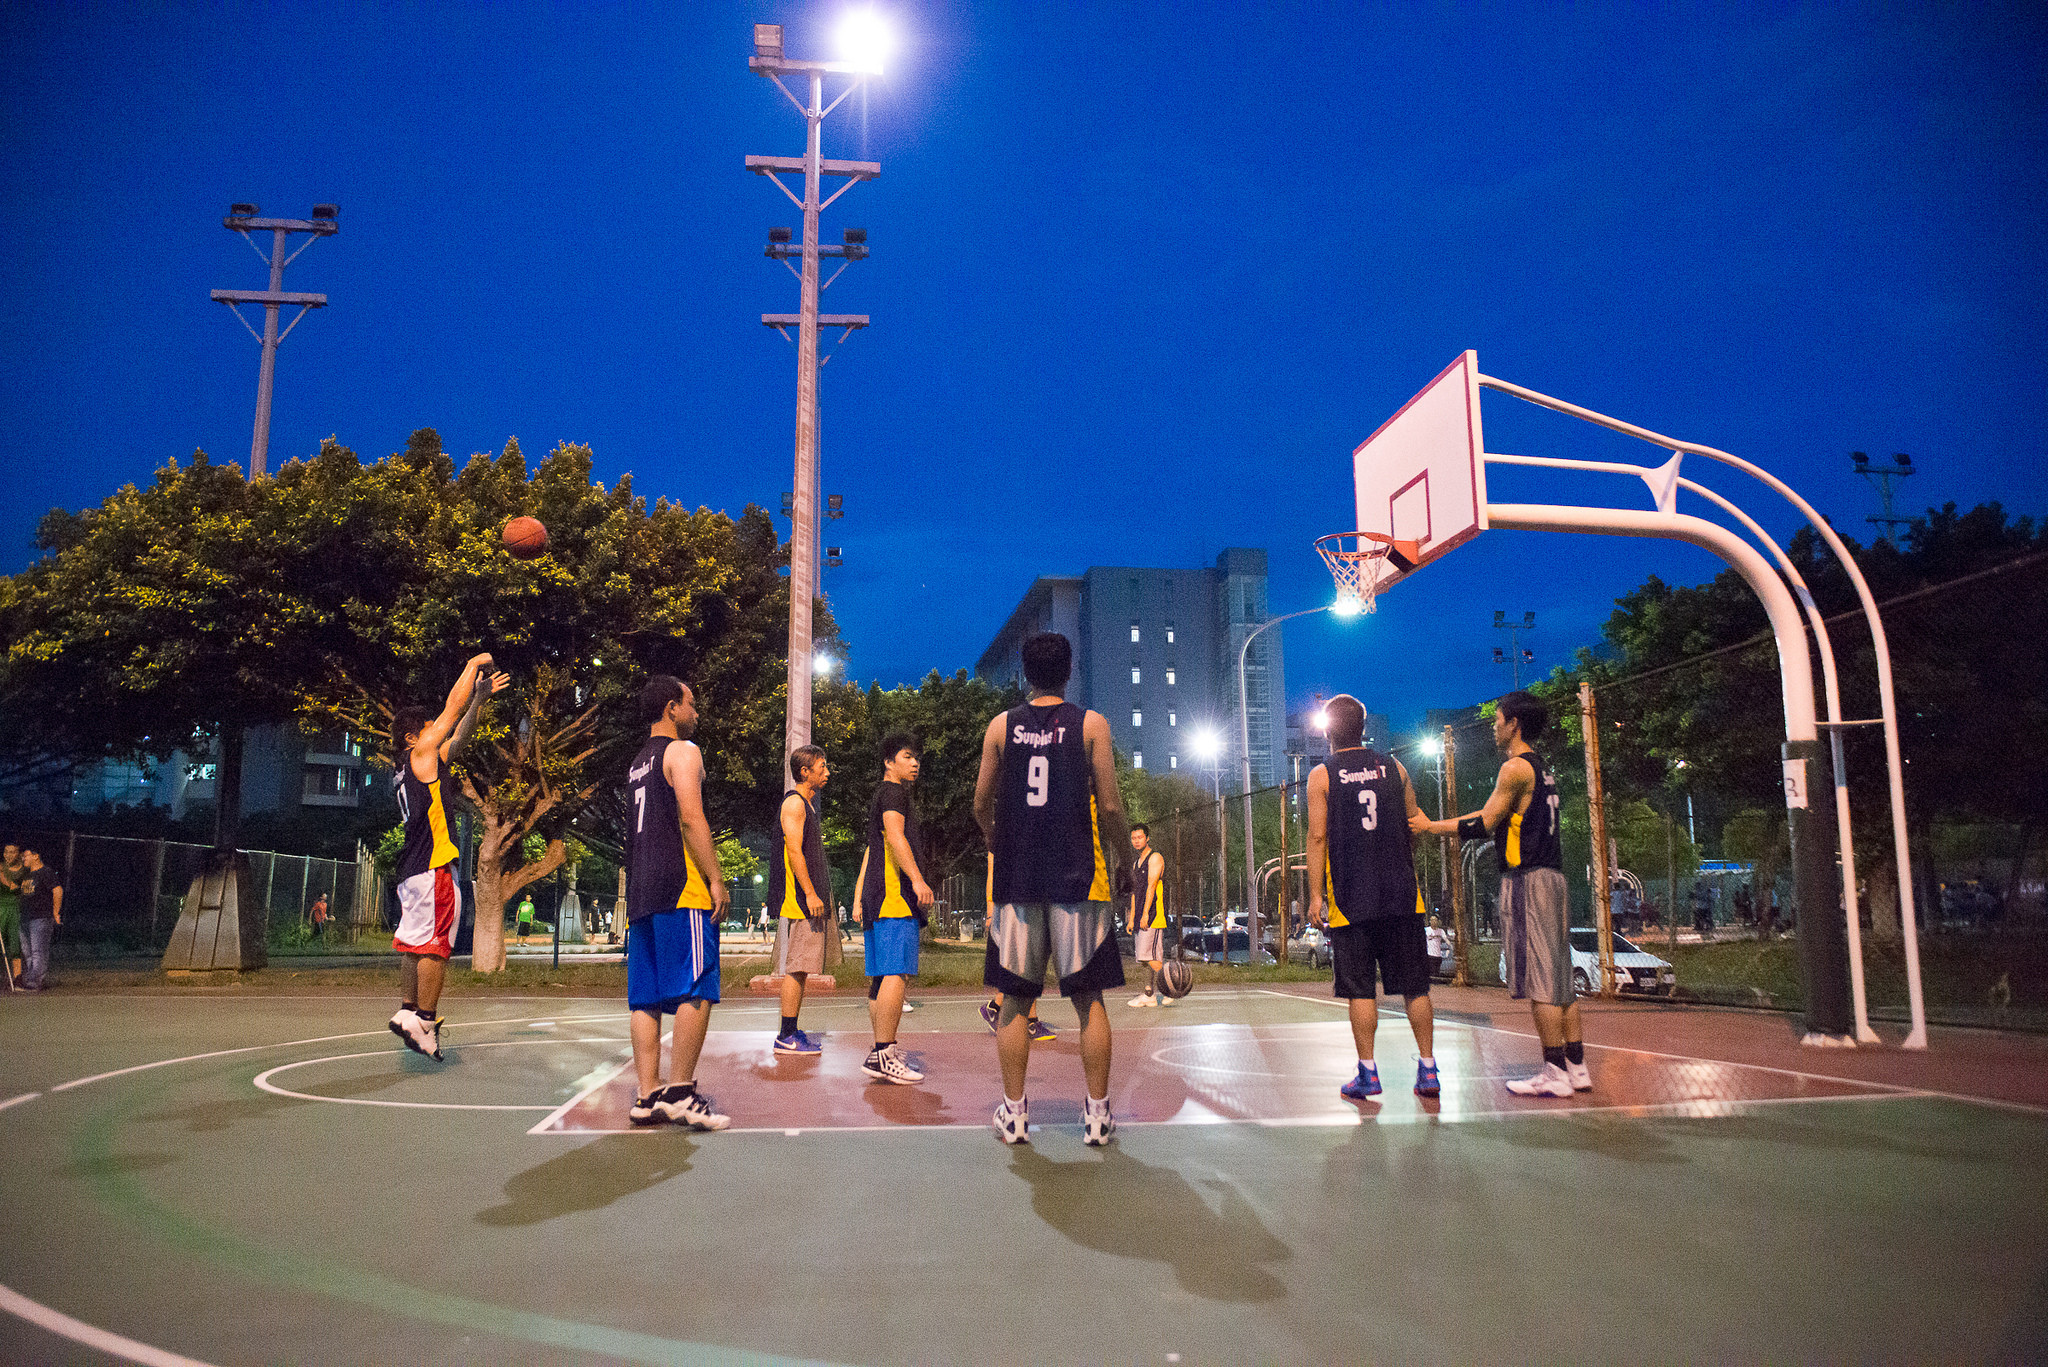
(1155,651)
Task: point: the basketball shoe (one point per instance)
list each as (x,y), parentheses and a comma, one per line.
(1550,1081)
(1363,1086)
(685,1105)
(1013,1123)
(1426,1082)
(886,1065)
(1582,1079)
(1098,1127)
(797,1042)
(1041,1032)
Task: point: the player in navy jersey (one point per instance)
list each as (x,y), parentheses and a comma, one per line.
(675,899)
(892,899)
(1361,880)
(1046,800)
(1520,817)
(429,901)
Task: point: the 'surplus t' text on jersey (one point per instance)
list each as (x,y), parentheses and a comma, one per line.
(1046,846)
(1371,869)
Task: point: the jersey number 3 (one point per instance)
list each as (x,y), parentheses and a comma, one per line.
(1038,781)
(1369,800)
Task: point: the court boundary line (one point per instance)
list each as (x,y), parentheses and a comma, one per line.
(263,1083)
(65,1326)
(1997,1103)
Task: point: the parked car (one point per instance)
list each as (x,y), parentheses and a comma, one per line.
(1635,969)
(1311,947)
(1214,946)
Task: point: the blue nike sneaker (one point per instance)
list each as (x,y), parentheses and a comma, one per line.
(797,1042)
(1426,1083)
(1363,1087)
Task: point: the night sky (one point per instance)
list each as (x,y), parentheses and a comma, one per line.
(1143,275)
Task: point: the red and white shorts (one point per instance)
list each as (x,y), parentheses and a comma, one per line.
(429,910)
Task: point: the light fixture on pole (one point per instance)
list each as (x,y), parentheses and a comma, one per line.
(1207,746)
(1882,479)
(245,219)
(1515,654)
(866,43)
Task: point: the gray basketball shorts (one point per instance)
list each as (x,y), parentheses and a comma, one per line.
(1534,938)
(800,945)
(1149,946)
(1075,940)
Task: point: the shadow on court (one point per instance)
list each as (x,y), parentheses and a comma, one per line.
(1113,1203)
(589,1178)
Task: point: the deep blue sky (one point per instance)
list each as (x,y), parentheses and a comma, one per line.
(1143,276)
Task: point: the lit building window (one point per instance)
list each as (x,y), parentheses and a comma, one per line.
(1135,675)
(1134,633)
(1172,717)
(1169,678)
(1173,761)
(1169,633)
(1137,717)
(1137,759)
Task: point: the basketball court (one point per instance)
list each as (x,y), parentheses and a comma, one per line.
(257,1180)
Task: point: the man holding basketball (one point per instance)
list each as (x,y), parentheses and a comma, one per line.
(1361,867)
(675,899)
(1521,818)
(1147,918)
(1046,800)
(806,933)
(429,902)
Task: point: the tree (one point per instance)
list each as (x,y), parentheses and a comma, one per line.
(417,580)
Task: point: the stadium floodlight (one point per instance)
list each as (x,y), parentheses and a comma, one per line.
(822,665)
(865,41)
(243,210)
(768,40)
(1430,745)
(1347,605)
(1207,743)
(778,235)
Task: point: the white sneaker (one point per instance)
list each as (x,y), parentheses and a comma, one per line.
(1551,1081)
(421,1033)
(1143,999)
(693,1109)
(1582,1080)
(1162,999)
(886,1065)
(1098,1127)
(909,1006)
(1013,1123)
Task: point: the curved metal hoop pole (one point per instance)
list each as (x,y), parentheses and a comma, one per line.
(1831,686)
(1908,920)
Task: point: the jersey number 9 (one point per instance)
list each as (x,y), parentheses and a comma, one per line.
(1038,781)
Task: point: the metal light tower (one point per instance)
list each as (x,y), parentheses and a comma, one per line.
(243,219)
(803,541)
(1882,479)
(1515,654)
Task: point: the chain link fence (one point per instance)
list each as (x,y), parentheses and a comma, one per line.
(123,895)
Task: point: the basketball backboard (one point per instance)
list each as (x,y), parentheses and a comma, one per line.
(1422,476)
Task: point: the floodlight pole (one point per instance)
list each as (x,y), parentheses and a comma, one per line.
(272,300)
(1244,756)
(768,61)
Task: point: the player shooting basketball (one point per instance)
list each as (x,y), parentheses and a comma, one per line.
(429,902)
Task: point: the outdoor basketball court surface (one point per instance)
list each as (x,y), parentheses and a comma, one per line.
(257,1180)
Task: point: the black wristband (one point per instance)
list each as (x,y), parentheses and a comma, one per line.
(1471,828)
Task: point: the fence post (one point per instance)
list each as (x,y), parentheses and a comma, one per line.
(1596,811)
(1282,908)
(156,885)
(1461,929)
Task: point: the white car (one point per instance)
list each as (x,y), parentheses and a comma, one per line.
(1635,970)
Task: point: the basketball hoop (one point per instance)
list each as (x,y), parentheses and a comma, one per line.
(1357,561)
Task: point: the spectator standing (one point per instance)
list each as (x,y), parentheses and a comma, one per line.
(42,910)
(320,916)
(13,873)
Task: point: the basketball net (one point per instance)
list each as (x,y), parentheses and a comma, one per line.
(1356,560)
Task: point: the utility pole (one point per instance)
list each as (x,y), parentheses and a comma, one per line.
(243,219)
(1461,932)
(1881,479)
(1515,655)
(1596,811)
(803,541)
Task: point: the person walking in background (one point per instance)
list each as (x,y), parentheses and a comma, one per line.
(12,874)
(42,911)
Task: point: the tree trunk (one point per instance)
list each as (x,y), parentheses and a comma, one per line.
(227,789)
(497,885)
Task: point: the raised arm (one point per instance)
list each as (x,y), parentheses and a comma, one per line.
(486,685)
(683,767)
(1318,839)
(433,738)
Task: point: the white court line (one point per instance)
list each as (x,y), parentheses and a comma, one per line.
(1996,1103)
(264,1083)
(78,1331)
(17,1100)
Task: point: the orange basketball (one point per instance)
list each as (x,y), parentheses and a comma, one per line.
(525,538)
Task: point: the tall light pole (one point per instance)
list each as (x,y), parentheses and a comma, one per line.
(1208,746)
(1881,479)
(244,220)
(1514,653)
(1343,607)
(1434,748)
(803,540)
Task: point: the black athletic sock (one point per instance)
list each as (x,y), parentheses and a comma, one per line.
(1554,1053)
(788,1026)
(882,1044)
(409,1006)
(683,1089)
(1575,1050)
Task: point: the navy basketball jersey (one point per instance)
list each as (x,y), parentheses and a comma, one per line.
(1528,840)
(1150,911)
(1046,846)
(660,876)
(427,845)
(785,891)
(1371,869)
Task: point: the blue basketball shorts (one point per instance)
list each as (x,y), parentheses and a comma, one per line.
(671,958)
(890,946)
